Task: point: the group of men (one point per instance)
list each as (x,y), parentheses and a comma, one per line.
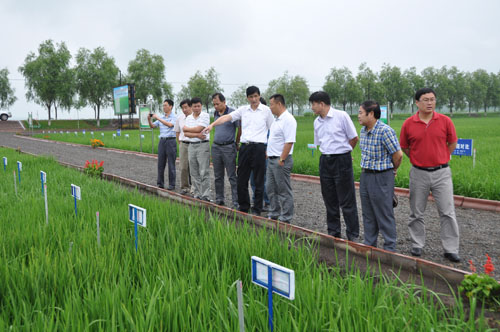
(263,133)
(255,132)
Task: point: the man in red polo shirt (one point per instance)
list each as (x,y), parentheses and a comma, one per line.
(429,138)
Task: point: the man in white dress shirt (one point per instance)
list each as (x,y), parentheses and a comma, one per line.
(199,150)
(256,119)
(280,162)
(183,146)
(336,136)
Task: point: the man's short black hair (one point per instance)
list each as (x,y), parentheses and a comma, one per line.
(252,89)
(196,100)
(320,96)
(278,98)
(219,95)
(185,101)
(169,101)
(371,106)
(423,91)
(263,101)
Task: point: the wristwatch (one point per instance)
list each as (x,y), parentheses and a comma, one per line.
(282,160)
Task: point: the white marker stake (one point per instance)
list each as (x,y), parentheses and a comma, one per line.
(241,317)
(98,230)
(70,246)
(19,170)
(92,133)
(46,206)
(126,136)
(43,178)
(15,184)
(4,164)
(102,134)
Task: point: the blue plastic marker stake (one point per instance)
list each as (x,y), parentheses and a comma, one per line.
(42,179)
(135,229)
(76,211)
(19,168)
(4,164)
(270,296)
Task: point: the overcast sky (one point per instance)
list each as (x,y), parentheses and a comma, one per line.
(255,41)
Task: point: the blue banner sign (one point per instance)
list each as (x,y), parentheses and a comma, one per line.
(464,147)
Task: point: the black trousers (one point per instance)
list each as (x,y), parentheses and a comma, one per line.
(337,188)
(252,157)
(167,152)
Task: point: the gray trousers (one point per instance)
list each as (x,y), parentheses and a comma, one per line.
(440,184)
(279,189)
(376,191)
(184,166)
(167,153)
(224,158)
(199,165)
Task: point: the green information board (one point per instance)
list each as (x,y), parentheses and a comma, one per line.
(383,114)
(120,98)
(143,116)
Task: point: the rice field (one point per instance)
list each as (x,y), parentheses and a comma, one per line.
(55,276)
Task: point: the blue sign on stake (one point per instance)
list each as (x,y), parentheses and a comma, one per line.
(19,169)
(311,147)
(4,164)
(137,215)
(464,147)
(277,279)
(43,178)
(77,194)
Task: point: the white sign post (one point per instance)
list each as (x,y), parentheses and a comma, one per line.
(137,215)
(77,194)
(46,206)
(4,164)
(277,279)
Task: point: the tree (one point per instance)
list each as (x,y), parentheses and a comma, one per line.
(239,96)
(7,96)
(395,86)
(369,83)
(147,72)
(96,74)
(493,94)
(451,87)
(337,85)
(294,90)
(202,86)
(415,82)
(476,89)
(48,77)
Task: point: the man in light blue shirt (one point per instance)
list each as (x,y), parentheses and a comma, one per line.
(167,147)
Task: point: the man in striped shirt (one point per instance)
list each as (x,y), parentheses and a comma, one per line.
(381,156)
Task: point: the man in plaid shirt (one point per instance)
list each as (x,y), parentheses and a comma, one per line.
(381,156)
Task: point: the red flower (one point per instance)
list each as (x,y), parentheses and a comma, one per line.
(488,267)
(471,266)
(102,163)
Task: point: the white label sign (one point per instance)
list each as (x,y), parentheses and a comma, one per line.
(283,279)
(19,166)
(43,176)
(5,161)
(76,192)
(136,213)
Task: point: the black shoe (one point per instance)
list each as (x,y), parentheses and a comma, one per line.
(265,208)
(160,186)
(416,252)
(337,235)
(171,188)
(452,257)
(255,212)
(221,203)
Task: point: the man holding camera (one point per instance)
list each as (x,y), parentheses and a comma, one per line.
(167,147)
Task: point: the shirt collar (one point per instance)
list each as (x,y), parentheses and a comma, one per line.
(416,118)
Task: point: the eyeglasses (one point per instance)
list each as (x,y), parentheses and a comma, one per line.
(431,100)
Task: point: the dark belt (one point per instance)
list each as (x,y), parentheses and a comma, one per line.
(167,137)
(335,155)
(185,142)
(198,142)
(431,169)
(366,170)
(224,143)
(273,157)
(251,143)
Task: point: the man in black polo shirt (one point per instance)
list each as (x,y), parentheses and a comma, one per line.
(224,151)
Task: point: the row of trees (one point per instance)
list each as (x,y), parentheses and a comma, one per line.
(52,82)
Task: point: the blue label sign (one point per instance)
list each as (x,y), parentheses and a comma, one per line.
(464,147)
(283,279)
(137,214)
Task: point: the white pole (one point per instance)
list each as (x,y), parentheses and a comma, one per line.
(46,206)
(239,288)
(98,229)
(15,184)
(474,159)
